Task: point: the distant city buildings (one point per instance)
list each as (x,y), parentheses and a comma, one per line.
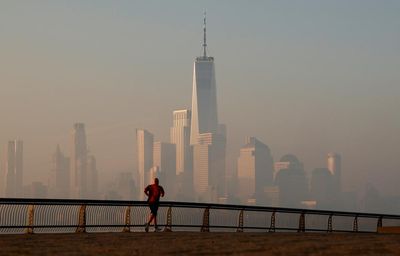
(255,170)
(164,159)
(290,186)
(83,167)
(180,136)
(92,183)
(322,187)
(79,178)
(192,167)
(145,141)
(292,182)
(59,181)
(14,169)
(193,164)
(286,162)
(209,167)
(335,167)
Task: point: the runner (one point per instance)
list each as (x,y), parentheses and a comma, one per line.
(153,193)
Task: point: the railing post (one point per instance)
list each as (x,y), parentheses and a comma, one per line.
(168,226)
(302,223)
(355,224)
(30,219)
(272,226)
(82,220)
(240,222)
(330,223)
(127,227)
(206,221)
(379,224)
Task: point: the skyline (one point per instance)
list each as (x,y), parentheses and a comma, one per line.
(281,129)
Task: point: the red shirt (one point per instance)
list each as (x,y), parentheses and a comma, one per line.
(154,192)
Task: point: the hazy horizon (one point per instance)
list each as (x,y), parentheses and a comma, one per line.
(305,77)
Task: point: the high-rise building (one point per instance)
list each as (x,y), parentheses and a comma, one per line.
(14,169)
(180,136)
(79,176)
(164,156)
(321,188)
(334,162)
(286,162)
(292,182)
(209,166)
(145,142)
(204,95)
(207,136)
(59,183)
(255,170)
(92,177)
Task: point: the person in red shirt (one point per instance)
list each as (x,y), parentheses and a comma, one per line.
(153,193)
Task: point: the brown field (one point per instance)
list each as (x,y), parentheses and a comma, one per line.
(190,243)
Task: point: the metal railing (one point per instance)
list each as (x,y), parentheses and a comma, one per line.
(64,215)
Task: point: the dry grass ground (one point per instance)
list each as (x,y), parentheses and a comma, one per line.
(188,243)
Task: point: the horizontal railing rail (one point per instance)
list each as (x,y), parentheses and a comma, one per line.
(25,215)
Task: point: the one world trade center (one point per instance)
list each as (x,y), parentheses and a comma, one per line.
(206,136)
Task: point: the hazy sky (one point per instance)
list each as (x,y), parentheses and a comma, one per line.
(305,77)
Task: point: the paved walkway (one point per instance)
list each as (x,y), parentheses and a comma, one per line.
(187,243)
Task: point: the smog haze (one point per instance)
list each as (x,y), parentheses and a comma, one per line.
(304,77)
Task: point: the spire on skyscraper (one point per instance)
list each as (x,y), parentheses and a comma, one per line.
(204,95)
(204,36)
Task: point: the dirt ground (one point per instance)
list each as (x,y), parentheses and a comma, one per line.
(188,243)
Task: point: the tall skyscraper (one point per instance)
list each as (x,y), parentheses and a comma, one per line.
(145,142)
(59,183)
(79,177)
(92,177)
(255,170)
(180,136)
(204,95)
(164,155)
(14,169)
(207,136)
(334,162)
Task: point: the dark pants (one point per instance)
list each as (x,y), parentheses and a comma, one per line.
(153,208)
